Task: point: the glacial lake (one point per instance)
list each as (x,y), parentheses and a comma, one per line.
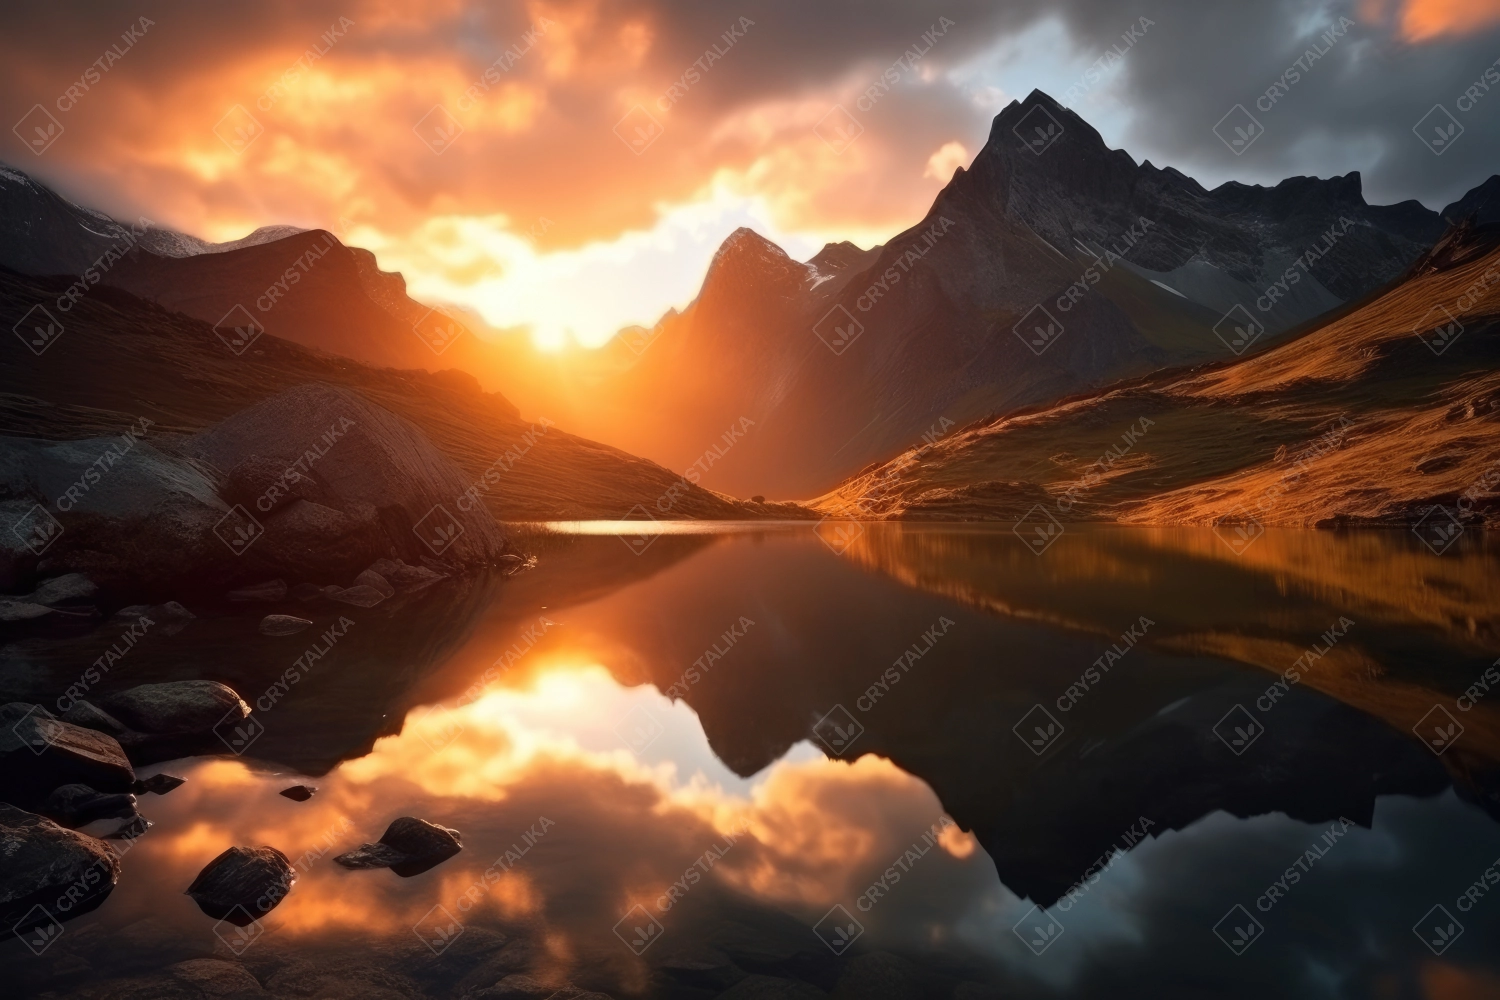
(875,760)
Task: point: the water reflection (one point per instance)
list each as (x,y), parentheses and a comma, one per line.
(657,751)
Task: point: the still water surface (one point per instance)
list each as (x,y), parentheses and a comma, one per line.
(1135,764)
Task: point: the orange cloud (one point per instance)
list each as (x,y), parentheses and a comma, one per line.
(1426,20)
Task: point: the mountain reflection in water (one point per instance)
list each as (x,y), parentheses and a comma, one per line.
(539,728)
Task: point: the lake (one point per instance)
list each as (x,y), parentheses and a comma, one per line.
(858,760)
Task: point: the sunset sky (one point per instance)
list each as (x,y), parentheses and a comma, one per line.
(481,148)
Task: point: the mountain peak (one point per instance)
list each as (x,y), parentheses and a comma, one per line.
(748,263)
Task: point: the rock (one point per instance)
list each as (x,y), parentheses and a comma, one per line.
(64,872)
(38,753)
(175,718)
(308,539)
(299,793)
(360,597)
(403,577)
(243,884)
(362,454)
(21,611)
(282,625)
(268,592)
(305,592)
(159,784)
(90,716)
(370,578)
(168,619)
(75,805)
(175,706)
(408,847)
(265,484)
(68,588)
(149,522)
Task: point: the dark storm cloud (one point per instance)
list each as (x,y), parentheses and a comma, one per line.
(138,139)
(1351,109)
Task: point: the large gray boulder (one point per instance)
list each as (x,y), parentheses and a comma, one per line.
(63,872)
(39,753)
(356,484)
(148,517)
(375,468)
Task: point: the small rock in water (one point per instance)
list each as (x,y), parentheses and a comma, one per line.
(370,578)
(160,784)
(76,805)
(282,625)
(361,596)
(408,847)
(271,590)
(299,793)
(243,884)
(403,577)
(21,611)
(62,589)
(305,592)
(132,828)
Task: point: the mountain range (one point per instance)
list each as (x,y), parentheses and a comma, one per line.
(1052,268)
(1039,271)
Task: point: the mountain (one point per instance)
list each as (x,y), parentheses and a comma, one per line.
(1042,270)
(119,358)
(1386,414)
(42,232)
(302,285)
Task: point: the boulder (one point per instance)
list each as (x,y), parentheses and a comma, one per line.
(174,719)
(149,521)
(370,578)
(299,793)
(21,611)
(243,884)
(309,540)
(263,484)
(74,805)
(408,847)
(167,619)
(69,588)
(90,716)
(360,597)
(62,872)
(269,592)
(307,592)
(39,752)
(278,625)
(362,454)
(403,577)
(175,706)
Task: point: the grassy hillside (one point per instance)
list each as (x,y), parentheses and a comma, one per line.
(119,359)
(1355,421)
